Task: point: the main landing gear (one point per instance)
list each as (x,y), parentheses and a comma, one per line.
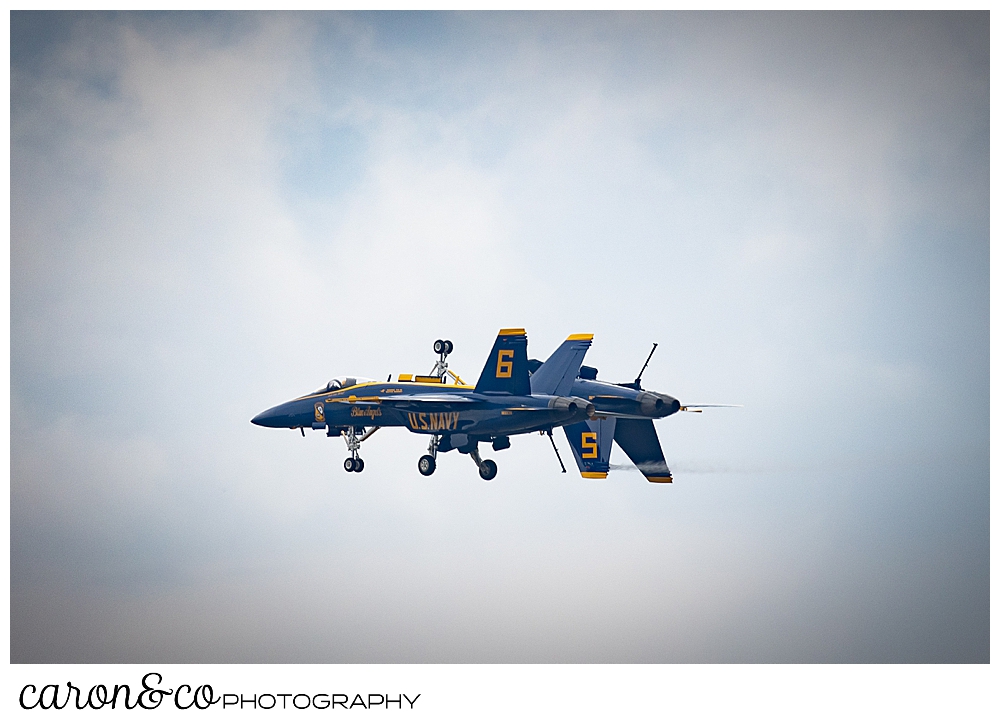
(487,468)
(427,464)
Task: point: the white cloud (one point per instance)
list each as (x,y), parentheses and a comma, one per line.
(210,217)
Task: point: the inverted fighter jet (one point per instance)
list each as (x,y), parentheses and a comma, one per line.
(455,416)
(624,414)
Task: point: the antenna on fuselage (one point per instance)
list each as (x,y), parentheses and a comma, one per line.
(638,378)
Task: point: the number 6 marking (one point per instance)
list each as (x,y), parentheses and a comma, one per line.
(505,362)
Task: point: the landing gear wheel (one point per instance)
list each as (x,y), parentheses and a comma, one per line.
(349,465)
(439,346)
(426,465)
(448,346)
(487,470)
(359,465)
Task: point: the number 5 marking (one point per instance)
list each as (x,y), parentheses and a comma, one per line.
(588,441)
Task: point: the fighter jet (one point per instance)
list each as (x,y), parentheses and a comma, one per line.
(456,416)
(624,414)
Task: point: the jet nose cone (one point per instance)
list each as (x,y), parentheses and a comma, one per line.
(271,418)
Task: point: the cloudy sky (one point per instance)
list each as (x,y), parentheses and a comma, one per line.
(213,213)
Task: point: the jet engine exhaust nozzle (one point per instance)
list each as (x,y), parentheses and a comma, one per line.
(650,404)
(572,405)
(672,404)
(656,405)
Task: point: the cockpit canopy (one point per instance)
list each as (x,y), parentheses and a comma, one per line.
(339,383)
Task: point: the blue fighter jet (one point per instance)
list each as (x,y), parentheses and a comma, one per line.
(624,414)
(456,416)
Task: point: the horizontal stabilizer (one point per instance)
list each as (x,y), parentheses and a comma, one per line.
(639,441)
(557,375)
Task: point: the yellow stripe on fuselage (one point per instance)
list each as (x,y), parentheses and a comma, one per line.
(338,393)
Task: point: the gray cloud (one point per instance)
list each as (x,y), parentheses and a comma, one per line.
(213,213)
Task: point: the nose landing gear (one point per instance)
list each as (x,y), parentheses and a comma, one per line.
(354,464)
(444,347)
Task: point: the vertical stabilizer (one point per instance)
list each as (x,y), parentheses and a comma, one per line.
(557,375)
(506,369)
(639,441)
(591,443)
